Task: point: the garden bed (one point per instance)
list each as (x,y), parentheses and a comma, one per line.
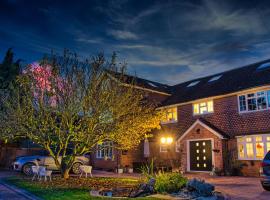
(73,188)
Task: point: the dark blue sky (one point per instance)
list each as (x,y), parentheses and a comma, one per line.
(166,41)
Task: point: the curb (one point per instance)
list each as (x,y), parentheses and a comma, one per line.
(21,192)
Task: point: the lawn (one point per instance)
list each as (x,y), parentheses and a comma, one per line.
(74,188)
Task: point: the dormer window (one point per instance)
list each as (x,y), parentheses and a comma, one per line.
(254,101)
(204,107)
(171,115)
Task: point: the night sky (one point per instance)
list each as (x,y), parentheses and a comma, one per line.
(166,41)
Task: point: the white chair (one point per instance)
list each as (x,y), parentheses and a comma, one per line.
(86,169)
(35,170)
(44,173)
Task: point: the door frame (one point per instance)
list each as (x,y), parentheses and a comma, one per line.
(188,153)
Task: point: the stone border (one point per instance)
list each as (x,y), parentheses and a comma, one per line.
(20,191)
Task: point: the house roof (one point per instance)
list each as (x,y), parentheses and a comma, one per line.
(206,125)
(250,76)
(143,83)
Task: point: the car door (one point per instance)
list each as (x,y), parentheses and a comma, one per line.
(50,163)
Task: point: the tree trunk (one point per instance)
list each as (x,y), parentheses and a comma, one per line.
(66,165)
(65,174)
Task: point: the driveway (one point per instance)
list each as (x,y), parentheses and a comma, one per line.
(8,192)
(237,188)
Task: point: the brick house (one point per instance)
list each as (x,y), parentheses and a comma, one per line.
(220,121)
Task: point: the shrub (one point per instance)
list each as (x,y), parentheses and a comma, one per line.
(169,182)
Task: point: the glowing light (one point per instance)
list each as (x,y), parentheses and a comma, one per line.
(169,140)
(163,140)
(166,140)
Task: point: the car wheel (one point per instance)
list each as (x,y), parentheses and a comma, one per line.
(27,169)
(76,168)
(267,188)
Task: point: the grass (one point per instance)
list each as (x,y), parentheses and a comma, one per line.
(75,188)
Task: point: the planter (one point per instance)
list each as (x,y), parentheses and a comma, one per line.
(120,171)
(130,170)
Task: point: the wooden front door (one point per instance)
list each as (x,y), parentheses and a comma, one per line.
(200,155)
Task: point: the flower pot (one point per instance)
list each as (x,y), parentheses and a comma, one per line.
(120,171)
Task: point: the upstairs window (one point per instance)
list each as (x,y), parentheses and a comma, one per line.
(203,107)
(171,115)
(254,101)
(105,150)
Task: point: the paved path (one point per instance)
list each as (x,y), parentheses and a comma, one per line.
(237,188)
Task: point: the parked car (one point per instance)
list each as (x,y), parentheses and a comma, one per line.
(265,172)
(25,163)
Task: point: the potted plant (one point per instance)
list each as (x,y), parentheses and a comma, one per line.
(120,169)
(130,169)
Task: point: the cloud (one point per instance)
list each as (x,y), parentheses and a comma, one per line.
(123,35)
(216,15)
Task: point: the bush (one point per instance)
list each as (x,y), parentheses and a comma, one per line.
(169,182)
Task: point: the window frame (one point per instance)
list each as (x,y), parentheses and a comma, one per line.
(167,113)
(104,149)
(161,146)
(254,143)
(199,107)
(267,98)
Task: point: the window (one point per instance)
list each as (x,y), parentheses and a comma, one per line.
(105,150)
(177,146)
(215,78)
(163,147)
(171,115)
(254,101)
(253,147)
(193,83)
(203,108)
(263,66)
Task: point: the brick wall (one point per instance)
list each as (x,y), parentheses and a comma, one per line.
(204,134)
(226,118)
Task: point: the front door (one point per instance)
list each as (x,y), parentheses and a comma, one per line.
(200,155)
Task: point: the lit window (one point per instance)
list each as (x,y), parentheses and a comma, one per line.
(249,147)
(259,150)
(105,150)
(253,147)
(268,143)
(241,150)
(254,101)
(203,108)
(171,115)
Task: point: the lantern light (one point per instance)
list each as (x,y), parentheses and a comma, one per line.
(169,140)
(163,140)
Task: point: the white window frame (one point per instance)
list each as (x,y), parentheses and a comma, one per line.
(175,118)
(199,107)
(100,148)
(253,141)
(256,96)
(177,146)
(165,146)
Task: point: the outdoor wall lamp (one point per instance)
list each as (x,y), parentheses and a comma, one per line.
(166,140)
